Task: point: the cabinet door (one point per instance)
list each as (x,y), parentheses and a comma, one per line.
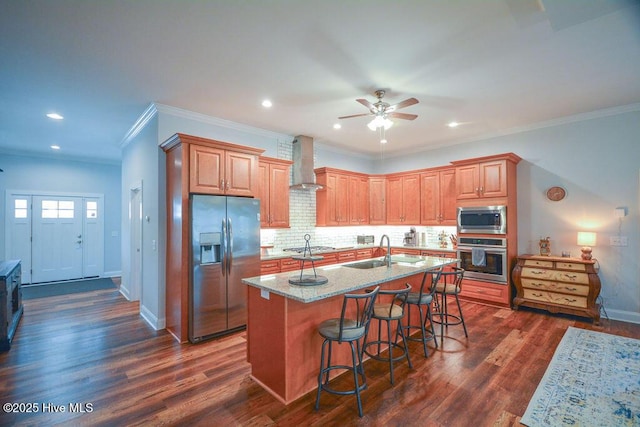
(358,200)
(331,212)
(448,211)
(263,193)
(394,200)
(206,170)
(377,205)
(467,181)
(493,179)
(430,198)
(342,199)
(279,196)
(241,172)
(411,199)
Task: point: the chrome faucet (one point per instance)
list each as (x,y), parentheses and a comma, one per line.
(387,257)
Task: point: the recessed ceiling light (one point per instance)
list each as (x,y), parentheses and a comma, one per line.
(453,124)
(337,126)
(267,104)
(55,147)
(55,116)
(383,141)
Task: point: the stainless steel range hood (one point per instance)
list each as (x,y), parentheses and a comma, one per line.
(303,176)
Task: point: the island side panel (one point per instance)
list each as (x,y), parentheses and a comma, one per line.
(266,350)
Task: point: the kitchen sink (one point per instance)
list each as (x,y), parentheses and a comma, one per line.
(370,263)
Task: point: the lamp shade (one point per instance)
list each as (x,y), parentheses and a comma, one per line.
(586,238)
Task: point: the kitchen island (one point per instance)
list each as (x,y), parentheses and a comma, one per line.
(283,345)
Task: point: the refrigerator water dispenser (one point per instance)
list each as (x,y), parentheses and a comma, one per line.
(209,247)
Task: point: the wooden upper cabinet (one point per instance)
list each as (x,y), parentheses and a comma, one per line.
(358,200)
(223,171)
(438,197)
(344,198)
(273,184)
(207,169)
(377,200)
(403,199)
(486,177)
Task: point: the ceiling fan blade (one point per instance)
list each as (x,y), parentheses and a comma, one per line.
(367,104)
(354,115)
(404,116)
(405,103)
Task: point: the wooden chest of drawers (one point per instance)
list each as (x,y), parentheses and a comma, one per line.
(558,285)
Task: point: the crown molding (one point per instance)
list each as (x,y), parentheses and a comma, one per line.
(139,125)
(228,124)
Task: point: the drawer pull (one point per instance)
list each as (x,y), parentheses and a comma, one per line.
(537,295)
(570,300)
(570,289)
(570,276)
(537,272)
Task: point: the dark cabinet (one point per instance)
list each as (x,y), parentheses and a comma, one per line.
(10,301)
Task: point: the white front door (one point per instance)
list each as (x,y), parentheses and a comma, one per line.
(57,239)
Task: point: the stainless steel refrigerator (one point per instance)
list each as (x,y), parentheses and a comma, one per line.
(225,247)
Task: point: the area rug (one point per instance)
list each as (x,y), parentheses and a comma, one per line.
(593,380)
(64,288)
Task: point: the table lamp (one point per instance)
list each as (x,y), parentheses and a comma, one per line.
(586,239)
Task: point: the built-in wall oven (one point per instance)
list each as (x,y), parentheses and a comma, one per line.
(483,258)
(482,220)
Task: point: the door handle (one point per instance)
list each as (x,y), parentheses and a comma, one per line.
(230,255)
(224,247)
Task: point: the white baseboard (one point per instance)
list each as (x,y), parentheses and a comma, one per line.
(151,319)
(623,316)
(111,274)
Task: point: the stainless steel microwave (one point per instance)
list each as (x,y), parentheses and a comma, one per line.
(482,220)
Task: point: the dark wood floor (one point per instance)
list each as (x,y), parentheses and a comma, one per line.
(94,348)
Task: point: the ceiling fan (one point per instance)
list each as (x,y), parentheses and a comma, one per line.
(383,111)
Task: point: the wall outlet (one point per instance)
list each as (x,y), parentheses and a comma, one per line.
(618,241)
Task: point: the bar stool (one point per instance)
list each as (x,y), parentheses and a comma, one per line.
(350,327)
(389,308)
(449,285)
(421,299)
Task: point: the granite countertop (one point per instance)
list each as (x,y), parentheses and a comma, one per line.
(277,254)
(342,279)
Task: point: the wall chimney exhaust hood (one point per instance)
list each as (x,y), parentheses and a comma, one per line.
(303,176)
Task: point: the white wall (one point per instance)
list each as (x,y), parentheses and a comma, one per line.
(143,162)
(51,174)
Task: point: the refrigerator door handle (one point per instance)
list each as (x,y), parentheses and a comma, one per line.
(223,247)
(230,253)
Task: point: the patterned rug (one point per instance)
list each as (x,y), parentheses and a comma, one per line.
(592,380)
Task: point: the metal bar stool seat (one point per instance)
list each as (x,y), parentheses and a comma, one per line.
(350,327)
(390,308)
(423,299)
(449,285)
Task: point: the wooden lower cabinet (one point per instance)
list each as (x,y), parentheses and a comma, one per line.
(271,266)
(486,292)
(558,285)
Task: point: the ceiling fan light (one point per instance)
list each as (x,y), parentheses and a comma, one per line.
(379,122)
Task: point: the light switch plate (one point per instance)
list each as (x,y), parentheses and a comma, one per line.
(264,294)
